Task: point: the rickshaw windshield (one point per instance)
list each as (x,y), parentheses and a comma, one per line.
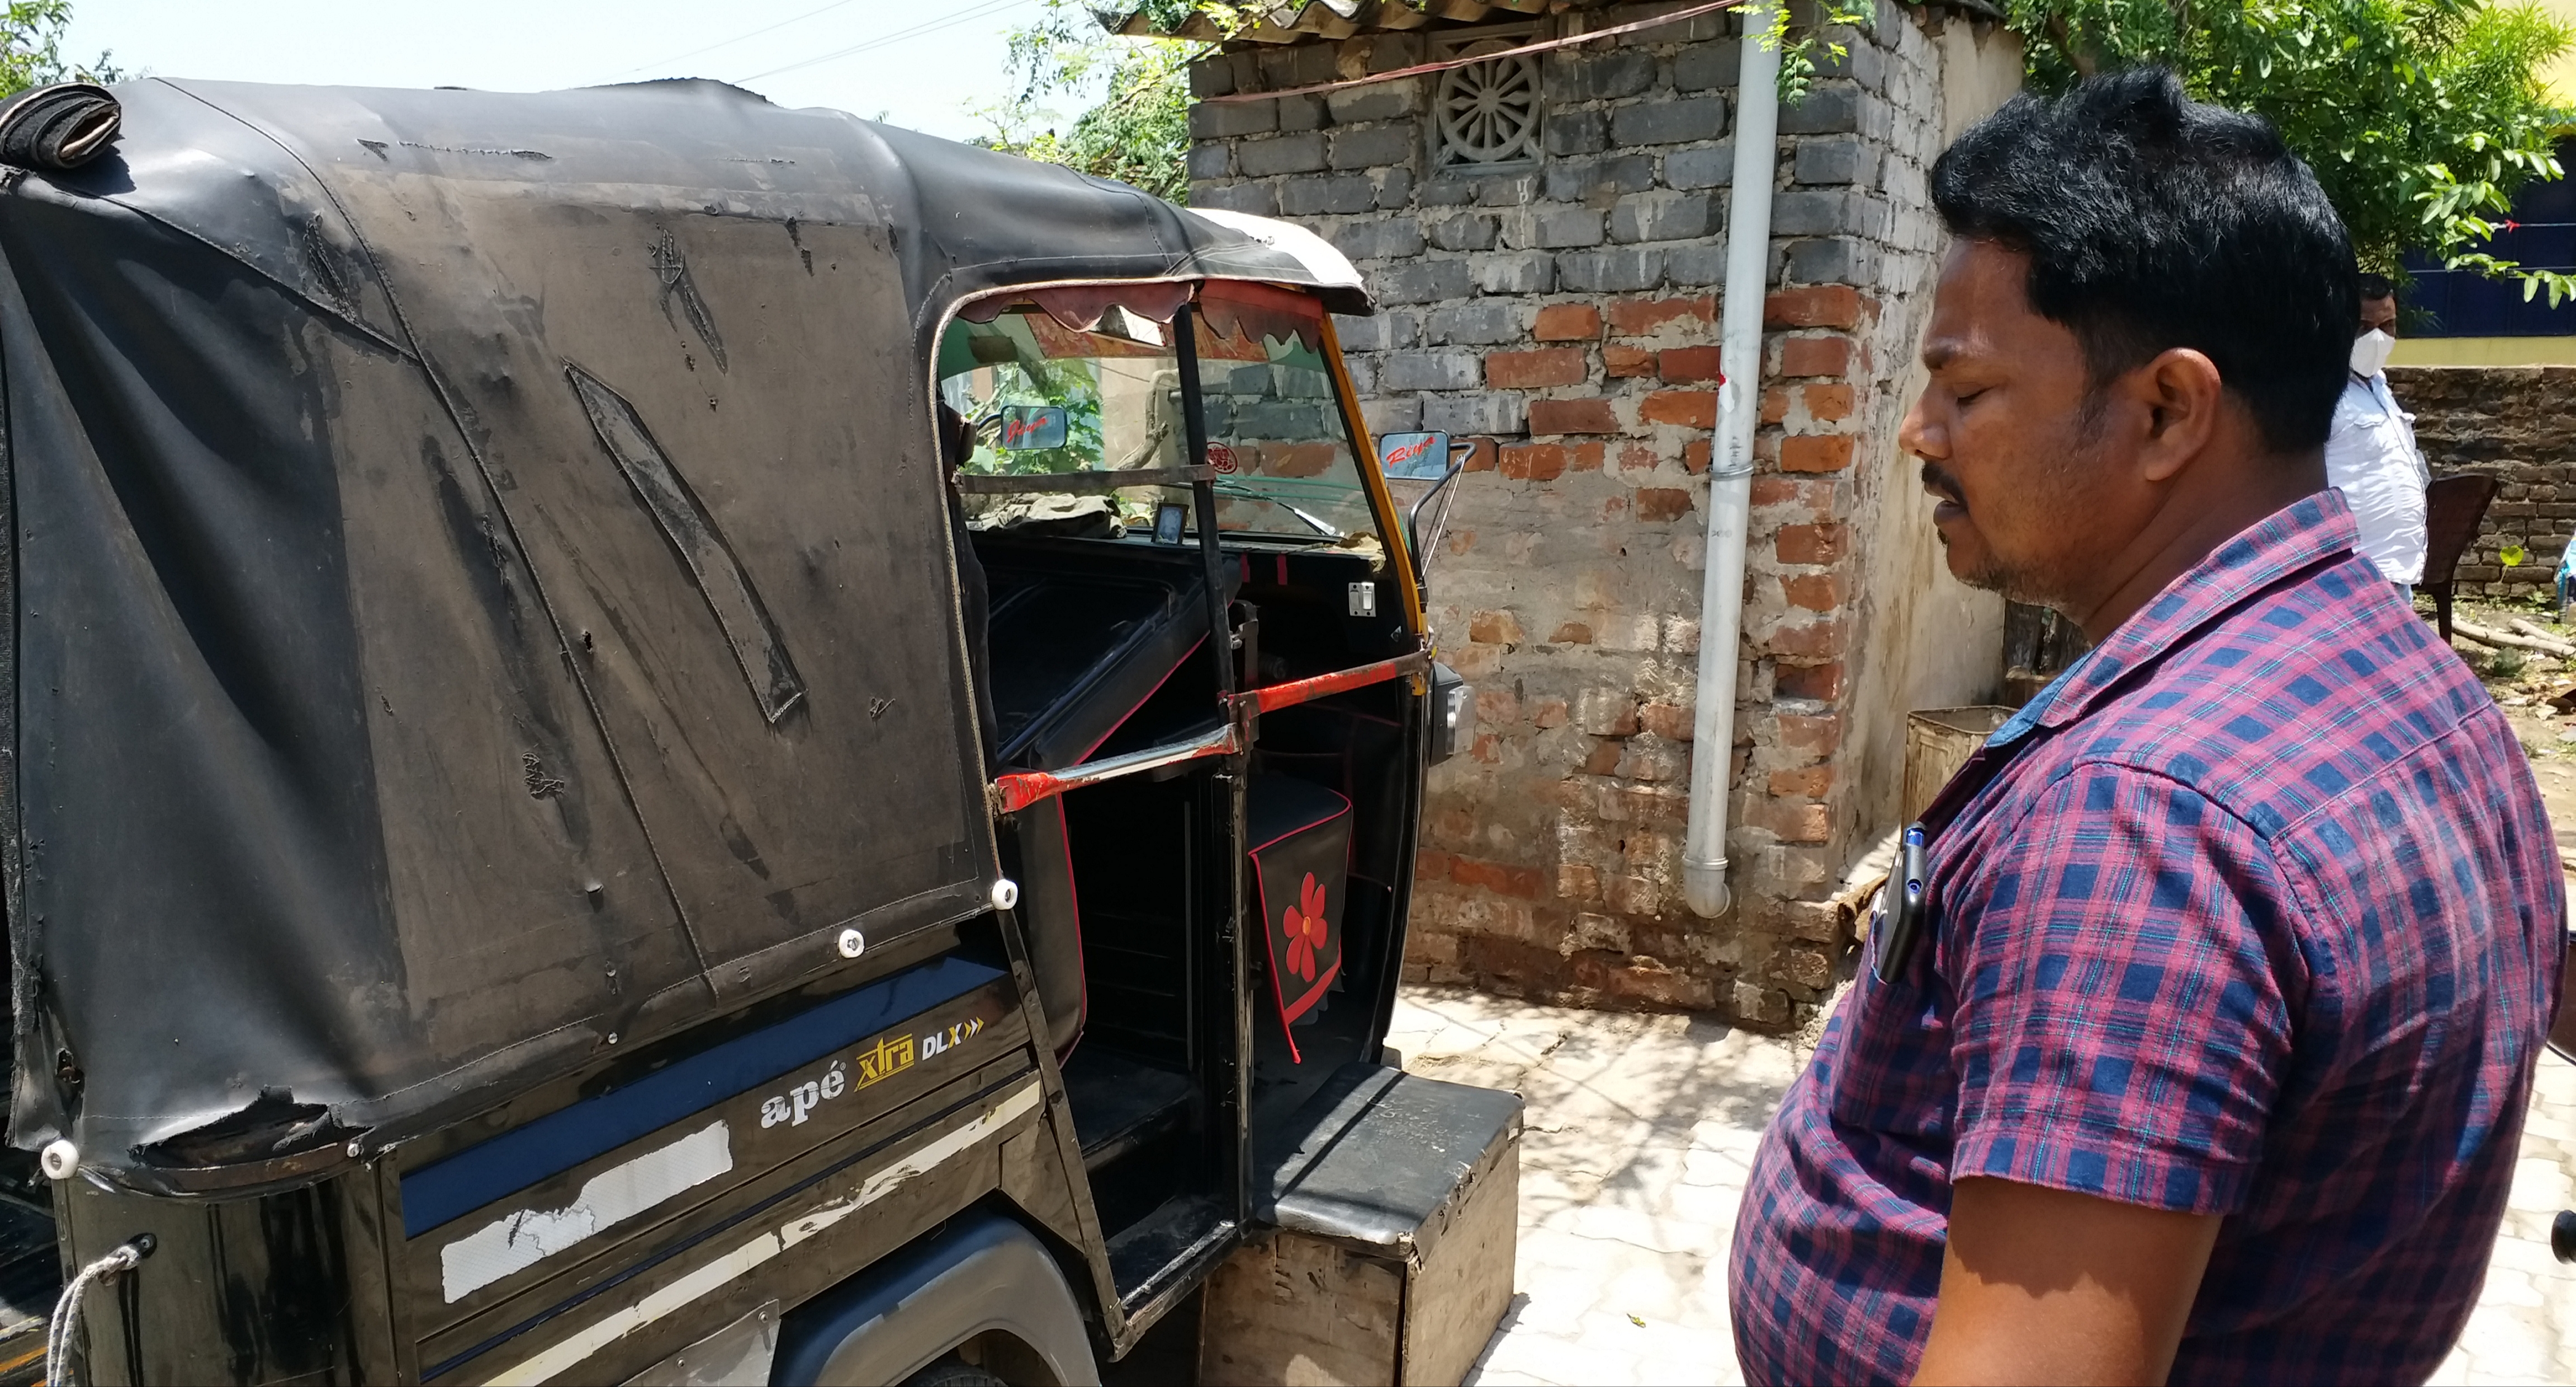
(1051,398)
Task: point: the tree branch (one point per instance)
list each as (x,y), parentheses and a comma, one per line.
(2061,38)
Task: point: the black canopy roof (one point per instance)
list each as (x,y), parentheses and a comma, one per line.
(482,586)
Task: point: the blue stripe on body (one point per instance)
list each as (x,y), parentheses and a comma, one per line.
(451,1188)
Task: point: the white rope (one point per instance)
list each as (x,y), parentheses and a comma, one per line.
(66,1320)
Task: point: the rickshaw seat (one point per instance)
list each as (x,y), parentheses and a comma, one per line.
(1082,634)
(1079,642)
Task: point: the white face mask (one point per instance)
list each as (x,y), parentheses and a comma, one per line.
(2370,352)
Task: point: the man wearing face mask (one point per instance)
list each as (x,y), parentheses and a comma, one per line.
(2371,456)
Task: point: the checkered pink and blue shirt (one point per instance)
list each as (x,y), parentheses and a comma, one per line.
(2254,913)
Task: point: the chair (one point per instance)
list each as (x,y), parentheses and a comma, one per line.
(2453,509)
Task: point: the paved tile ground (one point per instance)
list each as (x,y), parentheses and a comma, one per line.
(1639,1133)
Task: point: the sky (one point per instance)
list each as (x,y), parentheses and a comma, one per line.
(921,63)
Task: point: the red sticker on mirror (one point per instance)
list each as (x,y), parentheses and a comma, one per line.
(1221,458)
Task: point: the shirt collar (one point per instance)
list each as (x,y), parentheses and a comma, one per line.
(2305,534)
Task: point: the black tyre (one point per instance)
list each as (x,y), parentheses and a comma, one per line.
(954,1372)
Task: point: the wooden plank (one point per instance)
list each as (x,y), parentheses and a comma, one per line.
(1462,1289)
(1292,1309)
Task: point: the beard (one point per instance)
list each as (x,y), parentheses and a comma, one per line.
(2047,503)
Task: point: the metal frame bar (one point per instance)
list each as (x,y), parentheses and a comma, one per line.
(1007,484)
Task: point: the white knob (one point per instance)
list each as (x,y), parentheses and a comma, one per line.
(60,1158)
(1006,893)
(853,943)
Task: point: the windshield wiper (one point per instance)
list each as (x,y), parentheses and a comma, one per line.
(1321,527)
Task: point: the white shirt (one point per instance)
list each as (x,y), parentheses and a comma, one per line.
(2372,459)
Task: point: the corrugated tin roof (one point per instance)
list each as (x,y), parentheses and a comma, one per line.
(1300,21)
(1304,21)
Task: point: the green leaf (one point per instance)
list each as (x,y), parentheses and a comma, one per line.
(2512,555)
(2422,118)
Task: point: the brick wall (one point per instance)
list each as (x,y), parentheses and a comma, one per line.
(1571,310)
(2517,423)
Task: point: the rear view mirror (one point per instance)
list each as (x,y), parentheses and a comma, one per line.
(1414,457)
(1026,428)
(1418,469)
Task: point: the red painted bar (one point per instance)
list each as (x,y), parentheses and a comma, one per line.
(1296,691)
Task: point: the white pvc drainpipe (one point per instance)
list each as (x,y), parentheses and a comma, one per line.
(1730,473)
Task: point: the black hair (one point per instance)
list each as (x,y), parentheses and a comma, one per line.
(2154,222)
(2376,286)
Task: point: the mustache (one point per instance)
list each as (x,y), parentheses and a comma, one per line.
(1943,485)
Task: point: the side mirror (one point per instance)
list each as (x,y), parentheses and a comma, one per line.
(1030,427)
(1453,714)
(1419,468)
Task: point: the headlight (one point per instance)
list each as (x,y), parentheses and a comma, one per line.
(1453,713)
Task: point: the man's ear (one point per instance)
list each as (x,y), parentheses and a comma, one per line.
(2179,395)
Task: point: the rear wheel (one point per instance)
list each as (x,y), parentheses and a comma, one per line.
(954,1372)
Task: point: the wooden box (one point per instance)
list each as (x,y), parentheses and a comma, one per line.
(1386,1255)
(1938,741)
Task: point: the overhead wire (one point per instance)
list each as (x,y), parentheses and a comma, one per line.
(974,12)
(728,43)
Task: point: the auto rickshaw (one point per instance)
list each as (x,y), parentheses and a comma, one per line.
(660,739)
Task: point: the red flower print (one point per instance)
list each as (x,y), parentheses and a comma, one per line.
(1304,925)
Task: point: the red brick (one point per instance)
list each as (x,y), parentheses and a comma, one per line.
(1494,628)
(1695,456)
(1498,963)
(1812,453)
(1567,322)
(1576,882)
(1815,592)
(1620,362)
(1572,633)
(1662,503)
(1811,783)
(1488,748)
(1638,317)
(1691,408)
(1644,983)
(1534,369)
(1812,543)
(1775,405)
(1571,416)
(1821,305)
(1828,402)
(1547,713)
(1815,356)
(1794,821)
(1646,804)
(1680,364)
(1585,457)
(1814,496)
(1819,734)
(1534,462)
(1806,967)
(1823,683)
(1671,721)
(1479,459)
(1604,757)
(1498,877)
(1821,640)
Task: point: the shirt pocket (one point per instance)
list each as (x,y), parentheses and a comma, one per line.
(1893,1076)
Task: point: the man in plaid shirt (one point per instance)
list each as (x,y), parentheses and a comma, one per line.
(2239,942)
